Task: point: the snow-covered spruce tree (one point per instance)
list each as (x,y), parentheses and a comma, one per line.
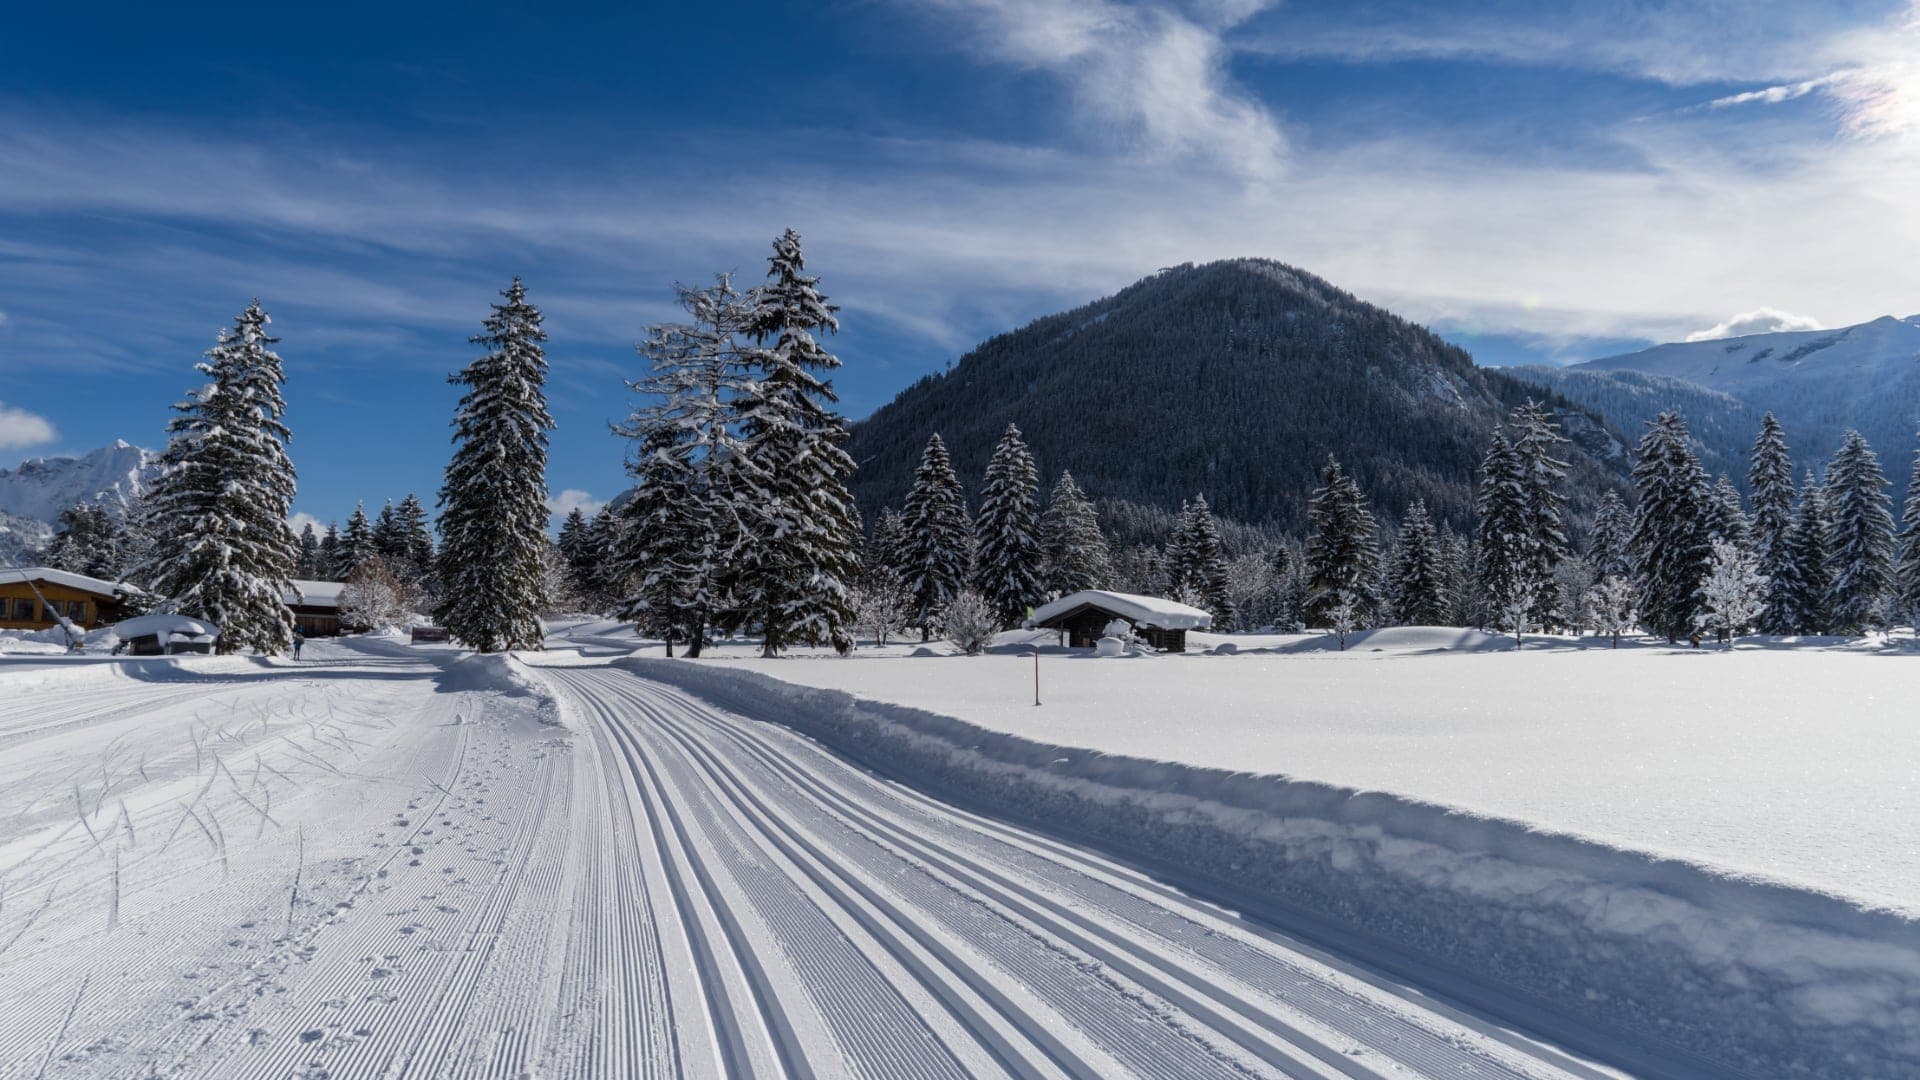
(1419,585)
(1464,609)
(493,503)
(1734,593)
(1613,604)
(1505,576)
(1670,544)
(329,562)
(1077,556)
(1811,572)
(86,540)
(1906,572)
(939,543)
(356,544)
(1727,517)
(1199,563)
(1343,554)
(1608,551)
(1009,559)
(800,538)
(1283,570)
(887,549)
(307,563)
(222,550)
(1537,442)
(575,546)
(1860,538)
(388,539)
(684,523)
(1770,476)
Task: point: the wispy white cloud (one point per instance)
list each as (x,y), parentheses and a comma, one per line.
(1150,72)
(1764,320)
(19,428)
(571,499)
(301,519)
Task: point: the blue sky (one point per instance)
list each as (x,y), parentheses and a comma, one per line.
(1538,181)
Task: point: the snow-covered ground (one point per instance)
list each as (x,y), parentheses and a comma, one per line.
(1799,765)
(390,861)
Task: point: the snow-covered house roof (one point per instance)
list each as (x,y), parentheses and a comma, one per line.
(46,575)
(165,627)
(319,594)
(1151,611)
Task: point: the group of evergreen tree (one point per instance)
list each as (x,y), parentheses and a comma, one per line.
(740,519)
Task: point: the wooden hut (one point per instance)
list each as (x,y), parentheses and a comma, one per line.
(1084,617)
(38,597)
(316,607)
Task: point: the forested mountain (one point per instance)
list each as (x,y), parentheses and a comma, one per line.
(1234,380)
(1819,383)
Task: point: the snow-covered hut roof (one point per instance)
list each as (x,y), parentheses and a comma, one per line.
(165,627)
(1140,610)
(48,576)
(317,593)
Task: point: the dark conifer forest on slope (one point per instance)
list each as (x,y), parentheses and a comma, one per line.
(1234,380)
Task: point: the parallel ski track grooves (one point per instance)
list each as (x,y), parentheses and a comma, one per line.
(1388,1032)
(1013,870)
(1111,1014)
(893,941)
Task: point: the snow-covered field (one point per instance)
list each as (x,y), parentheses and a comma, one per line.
(1799,765)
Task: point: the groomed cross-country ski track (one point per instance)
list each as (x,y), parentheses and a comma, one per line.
(364,866)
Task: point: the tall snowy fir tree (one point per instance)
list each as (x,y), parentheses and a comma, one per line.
(1727,518)
(222,550)
(1198,563)
(1811,569)
(939,543)
(1537,443)
(1671,530)
(1906,572)
(1859,538)
(388,539)
(493,503)
(356,544)
(307,564)
(684,523)
(1505,541)
(575,542)
(1008,559)
(1612,533)
(799,552)
(1419,584)
(1343,552)
(1077,556)
(1770,477)
(87,540)
(329,554)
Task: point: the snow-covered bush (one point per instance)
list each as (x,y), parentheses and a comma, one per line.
(1611,604)
(970,622)
(373,598)
(1735,592)
(882,607)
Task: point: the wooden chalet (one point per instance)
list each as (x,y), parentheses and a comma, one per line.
(37,597)
(316,607)
(1083,617)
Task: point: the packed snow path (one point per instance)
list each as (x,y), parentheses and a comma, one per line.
(358,867)
(811,920)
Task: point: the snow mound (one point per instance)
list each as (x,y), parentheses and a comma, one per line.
(504,675)
(1761,979)
(1405,639)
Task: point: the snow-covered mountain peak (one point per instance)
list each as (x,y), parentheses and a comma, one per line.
(39,488)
